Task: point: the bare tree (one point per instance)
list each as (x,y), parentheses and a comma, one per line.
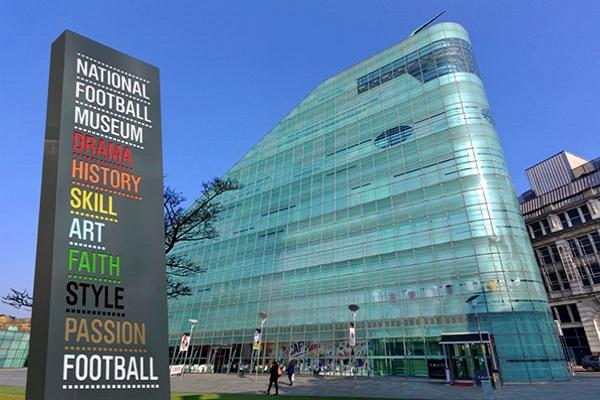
(18,299)
(193,224)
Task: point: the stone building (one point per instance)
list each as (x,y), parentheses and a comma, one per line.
(20,324)
(562,213)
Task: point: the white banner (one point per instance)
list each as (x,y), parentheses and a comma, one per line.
(256,342)
(351,337)
(175,369)
(185,343)
(296,349)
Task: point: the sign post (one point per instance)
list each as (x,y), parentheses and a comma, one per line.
(258,337)
(352,337)
(99,327)
(185,344)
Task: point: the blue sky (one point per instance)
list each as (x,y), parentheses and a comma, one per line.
(230,70)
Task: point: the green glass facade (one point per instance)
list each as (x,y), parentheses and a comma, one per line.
(14,348)
(385,187)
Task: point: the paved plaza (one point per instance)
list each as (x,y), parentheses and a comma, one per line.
(586,384)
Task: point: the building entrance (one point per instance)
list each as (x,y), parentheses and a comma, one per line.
(465,360)
(220,359)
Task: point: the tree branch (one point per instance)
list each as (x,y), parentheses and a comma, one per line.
(18,299)
(197,223)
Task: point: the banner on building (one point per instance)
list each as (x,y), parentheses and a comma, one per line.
(296,349)
(185,343)
(256,342)
(351,336)
(99,328)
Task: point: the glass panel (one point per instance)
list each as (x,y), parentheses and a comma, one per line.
(586,212)
(563,279)
(554,285)
(537,229)
(545,252)
(595,272)
(563,220)
(574,217)
(583,274)
(596,240)
(563,314)
(585,245)
(546,226)
(555,254)
(574,247)
(574,312)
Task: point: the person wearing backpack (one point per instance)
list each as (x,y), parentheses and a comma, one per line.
(274,374)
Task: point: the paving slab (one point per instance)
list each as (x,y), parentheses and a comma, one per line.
(384,387)
(584,385)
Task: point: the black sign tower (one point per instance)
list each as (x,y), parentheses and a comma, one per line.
(99,326)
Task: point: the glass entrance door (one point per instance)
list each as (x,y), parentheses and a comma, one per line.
(461,362)
(222,360)
(466,360)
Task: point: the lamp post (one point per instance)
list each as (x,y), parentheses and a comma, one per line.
(263,317)
(193,323)
(353,309)
(486,384)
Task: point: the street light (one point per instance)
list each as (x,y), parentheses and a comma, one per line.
(193,323)
(353,309)
(486,384)
(263,317)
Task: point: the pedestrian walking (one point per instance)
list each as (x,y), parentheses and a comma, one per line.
(274,374)
(291,367)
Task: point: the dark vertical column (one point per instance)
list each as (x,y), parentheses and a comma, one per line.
(99,326)
(41,313)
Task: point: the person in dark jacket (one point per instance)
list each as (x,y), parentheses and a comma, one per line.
(274,377)
(291,367)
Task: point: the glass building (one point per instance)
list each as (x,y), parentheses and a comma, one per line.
(386,187)
(14,348)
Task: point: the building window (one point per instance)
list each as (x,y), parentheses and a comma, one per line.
(537,257)
(563,220)
(574,217)
(393,136)
(595,270)
(596,239)
(563,279)
(546,226)
(555,254)
(545,253)
(562,312)
(577,342)
(574,248)
(586,213)
(583,274)
(439,58)
(554,284)
(546,285)
(574,312)
(541,228)
(537,229)
(586,245)
(487,114)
